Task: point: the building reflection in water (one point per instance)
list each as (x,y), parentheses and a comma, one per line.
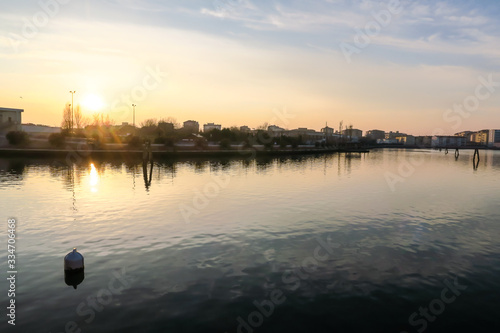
(90,174)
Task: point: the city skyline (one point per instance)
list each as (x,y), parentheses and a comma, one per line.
(225,61)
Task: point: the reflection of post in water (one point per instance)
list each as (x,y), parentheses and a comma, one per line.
(147,154)
(475,160)
(147,178)
(338,164)
(147,159)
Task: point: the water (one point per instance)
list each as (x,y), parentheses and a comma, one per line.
(313,244)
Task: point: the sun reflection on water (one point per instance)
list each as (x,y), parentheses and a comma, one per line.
(94,178)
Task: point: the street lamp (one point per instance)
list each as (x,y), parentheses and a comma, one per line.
(134,105)
(72,92)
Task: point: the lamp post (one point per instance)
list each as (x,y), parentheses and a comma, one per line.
(134,105)
(72,92)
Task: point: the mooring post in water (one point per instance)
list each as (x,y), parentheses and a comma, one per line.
(147,154)
(476,154)
(457,153)
(446,151)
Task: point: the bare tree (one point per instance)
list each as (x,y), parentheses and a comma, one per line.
(96,119)
(66,122)
(263,127)
(172,120)
(78,117)
(108,122)
(149,122)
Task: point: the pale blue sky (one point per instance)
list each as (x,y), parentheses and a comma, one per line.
(234,62)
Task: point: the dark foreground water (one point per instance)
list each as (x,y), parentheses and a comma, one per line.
(391,241)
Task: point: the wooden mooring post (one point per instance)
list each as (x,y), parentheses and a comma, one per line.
(147,154)
(475,160)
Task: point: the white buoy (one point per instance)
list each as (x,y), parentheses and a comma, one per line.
(73,268)
(73,262)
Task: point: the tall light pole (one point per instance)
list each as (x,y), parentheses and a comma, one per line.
(134,105)
(72,92)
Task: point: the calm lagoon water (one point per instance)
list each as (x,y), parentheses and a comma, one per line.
(390,241)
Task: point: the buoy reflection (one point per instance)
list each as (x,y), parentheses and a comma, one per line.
(74,278)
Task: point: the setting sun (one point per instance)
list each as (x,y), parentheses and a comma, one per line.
(93,102)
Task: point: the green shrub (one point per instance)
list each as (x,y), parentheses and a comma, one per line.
(160,140)
(134,141)
(57,139)
(169,141)
(225,144)
(200,143)
(247,144)
(17,138)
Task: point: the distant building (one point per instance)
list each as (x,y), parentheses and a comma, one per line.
(494,138)
(328,131)
(309,136)
(275,131)
(375,134)
(387,141)
(245,129)
(329,135)
(10,119)
(393,135)
(463,133)
(352,133)
(210,127)
(166,127)
(407,140)
(423,141)
(39,129)
(448,141)
(191,125)
(479,137)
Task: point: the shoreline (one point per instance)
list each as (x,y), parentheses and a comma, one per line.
(138,153)
(193,153)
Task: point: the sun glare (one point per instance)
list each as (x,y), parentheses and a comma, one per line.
(93,103)
(94,178)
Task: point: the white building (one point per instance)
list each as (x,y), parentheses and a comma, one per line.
(407,140)
(448,141)
(245,129)
(275,131)
(494,138)
(192,125)
(10,119)
(211,126)
(40,129)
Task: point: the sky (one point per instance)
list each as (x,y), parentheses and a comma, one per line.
(418,67)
